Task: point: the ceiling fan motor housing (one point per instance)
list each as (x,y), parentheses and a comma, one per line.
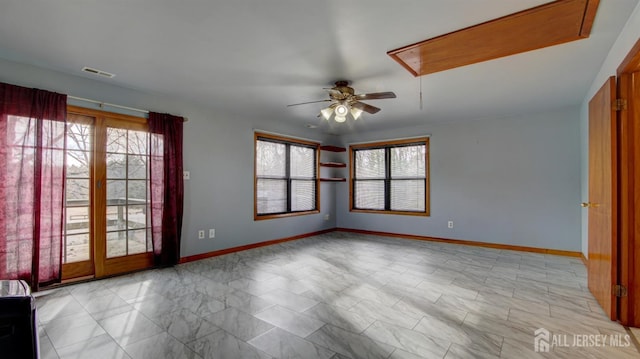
(344,90)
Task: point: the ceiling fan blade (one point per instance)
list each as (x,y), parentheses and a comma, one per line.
(375,96)
(365,107)
(305,103)
(333,91)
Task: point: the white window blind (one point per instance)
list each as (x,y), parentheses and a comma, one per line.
(285,177)
(390,178)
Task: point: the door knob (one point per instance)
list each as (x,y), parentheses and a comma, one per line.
(584,204)
(589,204)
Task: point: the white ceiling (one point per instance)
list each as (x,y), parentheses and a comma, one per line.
(251,58)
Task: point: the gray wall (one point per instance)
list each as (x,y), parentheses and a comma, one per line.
(627,38)
(510,181)
(218,151)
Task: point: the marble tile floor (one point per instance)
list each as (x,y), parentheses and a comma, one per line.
(336,295)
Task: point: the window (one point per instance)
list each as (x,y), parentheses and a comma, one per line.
(390,177)
(286,181)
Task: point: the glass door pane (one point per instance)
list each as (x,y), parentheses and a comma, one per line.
(77,228)
(127,201)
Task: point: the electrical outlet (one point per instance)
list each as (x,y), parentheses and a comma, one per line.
(450,224)
(212,233)
(201,234)
(326,217)
(186,175)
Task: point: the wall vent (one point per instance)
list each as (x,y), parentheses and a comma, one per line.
(97,72)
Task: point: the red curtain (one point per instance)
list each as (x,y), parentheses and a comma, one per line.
(32,164)
(167,187)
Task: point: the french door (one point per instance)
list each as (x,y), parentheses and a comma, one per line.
(107,216)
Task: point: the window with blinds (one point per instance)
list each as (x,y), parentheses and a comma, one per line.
(391,177)
(285,176)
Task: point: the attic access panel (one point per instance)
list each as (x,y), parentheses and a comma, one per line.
(542,26)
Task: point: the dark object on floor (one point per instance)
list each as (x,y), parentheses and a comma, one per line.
(18,324)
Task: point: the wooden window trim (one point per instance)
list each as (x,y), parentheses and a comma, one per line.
(389,144)
(294,141)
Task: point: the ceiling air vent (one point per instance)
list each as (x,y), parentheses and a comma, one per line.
(97,72)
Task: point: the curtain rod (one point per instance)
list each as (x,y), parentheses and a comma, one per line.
(101,103)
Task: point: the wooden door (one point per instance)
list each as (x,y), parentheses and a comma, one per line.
(123,237)
(629,201)
(632,269)
(602,205)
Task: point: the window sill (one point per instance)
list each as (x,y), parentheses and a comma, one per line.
(402,213)
(283,215)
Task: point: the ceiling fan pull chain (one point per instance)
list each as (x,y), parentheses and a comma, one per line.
(420,77)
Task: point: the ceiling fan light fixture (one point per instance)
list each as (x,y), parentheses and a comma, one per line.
(340,118)
(341,110)
(326,113)
(355,112)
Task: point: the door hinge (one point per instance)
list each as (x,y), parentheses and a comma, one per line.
(620,104)
(619,290)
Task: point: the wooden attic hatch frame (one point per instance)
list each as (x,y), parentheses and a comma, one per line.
(546,25)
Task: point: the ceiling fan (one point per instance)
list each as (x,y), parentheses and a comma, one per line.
(345,102)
